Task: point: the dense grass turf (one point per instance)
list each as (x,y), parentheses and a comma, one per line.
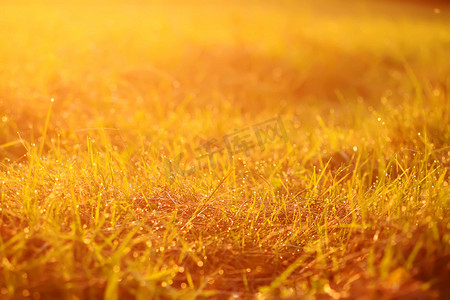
(327,129)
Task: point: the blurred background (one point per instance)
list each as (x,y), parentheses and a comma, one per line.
(184,69)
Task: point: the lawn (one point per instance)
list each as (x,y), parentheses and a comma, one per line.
(224,150)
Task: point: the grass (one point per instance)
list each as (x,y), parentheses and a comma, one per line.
(107,113)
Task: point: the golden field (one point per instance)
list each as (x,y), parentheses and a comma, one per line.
(224,150)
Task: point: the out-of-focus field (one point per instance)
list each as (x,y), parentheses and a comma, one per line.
(130,164)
